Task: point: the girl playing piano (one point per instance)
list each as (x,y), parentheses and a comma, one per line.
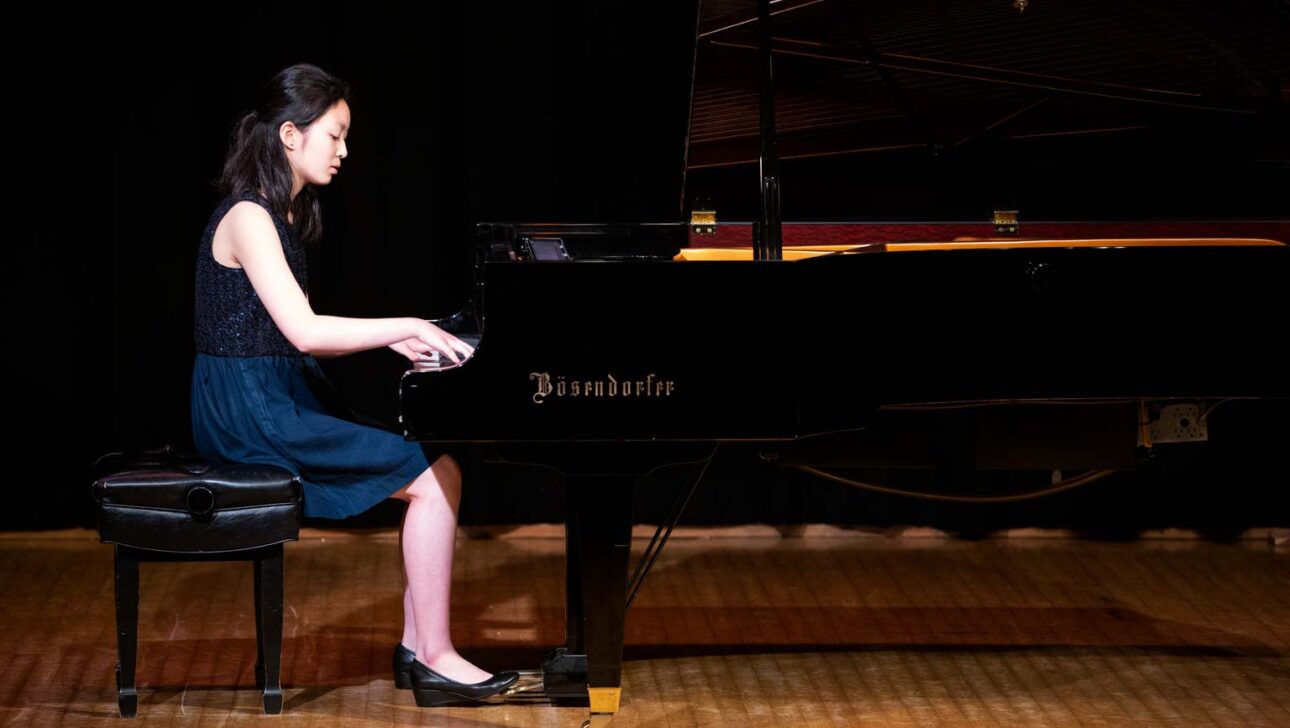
(259,394)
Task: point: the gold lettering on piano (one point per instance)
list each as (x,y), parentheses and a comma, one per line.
(608,387)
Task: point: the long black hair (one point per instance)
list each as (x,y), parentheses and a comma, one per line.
(255,158)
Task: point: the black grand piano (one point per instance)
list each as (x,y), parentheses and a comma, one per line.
(996,342)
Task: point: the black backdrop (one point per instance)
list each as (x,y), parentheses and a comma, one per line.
(526,112)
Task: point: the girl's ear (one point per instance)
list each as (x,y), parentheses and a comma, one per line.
(289,133)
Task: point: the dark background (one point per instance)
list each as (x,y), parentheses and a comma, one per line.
(542,111)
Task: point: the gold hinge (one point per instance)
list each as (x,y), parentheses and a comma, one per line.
(1005,222)
(703,222)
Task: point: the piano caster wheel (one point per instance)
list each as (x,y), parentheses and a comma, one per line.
(127,703)
(272,702)
(604,704)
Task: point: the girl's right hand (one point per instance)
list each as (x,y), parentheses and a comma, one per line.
(429,335)
(411,348)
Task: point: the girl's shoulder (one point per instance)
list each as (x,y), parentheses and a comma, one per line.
(231,201)
(255,197)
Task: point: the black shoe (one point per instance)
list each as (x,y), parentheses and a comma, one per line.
(403,659)
(432,689)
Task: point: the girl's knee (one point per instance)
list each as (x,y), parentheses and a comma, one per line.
(448,473)
(447,470)
(444,473)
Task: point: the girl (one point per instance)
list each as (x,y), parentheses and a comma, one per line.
(259,395)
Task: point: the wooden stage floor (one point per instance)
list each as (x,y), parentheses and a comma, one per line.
(738,627)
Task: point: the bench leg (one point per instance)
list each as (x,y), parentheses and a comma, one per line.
(268,626)
(259,633)
(127,629)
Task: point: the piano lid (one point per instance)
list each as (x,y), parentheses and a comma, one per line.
(909,109)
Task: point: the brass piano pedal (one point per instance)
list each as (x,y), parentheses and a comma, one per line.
(529,688)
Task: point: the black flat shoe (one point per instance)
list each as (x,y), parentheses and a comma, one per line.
(403,659)
(432,689)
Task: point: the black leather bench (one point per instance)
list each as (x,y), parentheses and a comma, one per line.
(164,505)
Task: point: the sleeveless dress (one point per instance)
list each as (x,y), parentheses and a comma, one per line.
(258,399)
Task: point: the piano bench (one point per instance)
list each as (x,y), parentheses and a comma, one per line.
(162,505)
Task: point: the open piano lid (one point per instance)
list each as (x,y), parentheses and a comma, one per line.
(933,111)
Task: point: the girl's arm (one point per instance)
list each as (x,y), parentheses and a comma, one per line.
(258,249)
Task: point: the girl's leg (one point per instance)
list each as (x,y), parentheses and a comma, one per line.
(409,623)
(427,540)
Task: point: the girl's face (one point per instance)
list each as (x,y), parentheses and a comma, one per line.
(315,156)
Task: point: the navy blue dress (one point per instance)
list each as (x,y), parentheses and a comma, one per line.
(258,399)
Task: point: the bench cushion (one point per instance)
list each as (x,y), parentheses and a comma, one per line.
(177,503)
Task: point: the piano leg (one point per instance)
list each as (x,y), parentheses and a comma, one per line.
(599,529)
(575,635)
